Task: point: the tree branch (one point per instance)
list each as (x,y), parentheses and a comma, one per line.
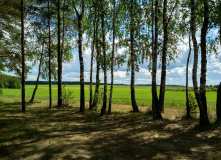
(172,13)
(1,56)
(75,9)
(3,3)
(83,6)
(179,38)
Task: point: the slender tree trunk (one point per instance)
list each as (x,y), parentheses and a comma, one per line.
(219,21)
(203,107)
(219,6)
(152,29)
(63,34)
(23,56)
(82,98)
(62,41)
(59,59)
(49,54)
(133,99)
(80,33)
(195,47)
(218,101)
(200,97)
(152,59)
(112,59)
(164,57)
(91,70)
(155,101)
(96,94)
(187,94)
(39,73)
(103,110)
(166,22)
(218,104)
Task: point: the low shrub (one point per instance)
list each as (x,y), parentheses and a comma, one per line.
(192,103)
(67,96)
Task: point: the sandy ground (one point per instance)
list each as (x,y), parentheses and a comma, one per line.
(68,134)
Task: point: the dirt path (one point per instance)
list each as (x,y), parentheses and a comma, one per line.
(66,134)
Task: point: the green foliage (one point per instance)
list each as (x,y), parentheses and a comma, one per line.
(192,103)
(67,96)
(7,81)
(211,89)
(2,85)
(10,35)
(100,96)
(14,83)
(182,89)
(177,89)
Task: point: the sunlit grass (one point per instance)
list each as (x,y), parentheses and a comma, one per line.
(121,95)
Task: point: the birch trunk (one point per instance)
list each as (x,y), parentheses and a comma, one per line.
(155,101)
(195,47)
(203,107)
(91,70)
(200,97)
(82,98)
(59,58)
(81,60)
(112,61)
(96,94)
(187,91)
(218,101)
(218,104)
(152,59)
(103,110)
(49,55)
(164,57)
(63,35)
(133,99)
(23,56)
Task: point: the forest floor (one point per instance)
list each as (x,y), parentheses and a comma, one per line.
(41,133)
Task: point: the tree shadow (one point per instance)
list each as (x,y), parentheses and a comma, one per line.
(68,134)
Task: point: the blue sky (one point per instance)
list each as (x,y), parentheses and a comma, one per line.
(176,71)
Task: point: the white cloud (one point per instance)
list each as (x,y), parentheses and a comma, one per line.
(176,71)
(120,74)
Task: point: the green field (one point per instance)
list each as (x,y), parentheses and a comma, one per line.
(121,95)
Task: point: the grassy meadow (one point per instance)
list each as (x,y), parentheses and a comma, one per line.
(174,97)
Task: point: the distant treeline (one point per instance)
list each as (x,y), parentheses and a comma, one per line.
(208,89)
(64,82)
(7,81)
(86,83)
(54,82)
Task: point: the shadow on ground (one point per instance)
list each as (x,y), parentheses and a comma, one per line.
(66,134)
